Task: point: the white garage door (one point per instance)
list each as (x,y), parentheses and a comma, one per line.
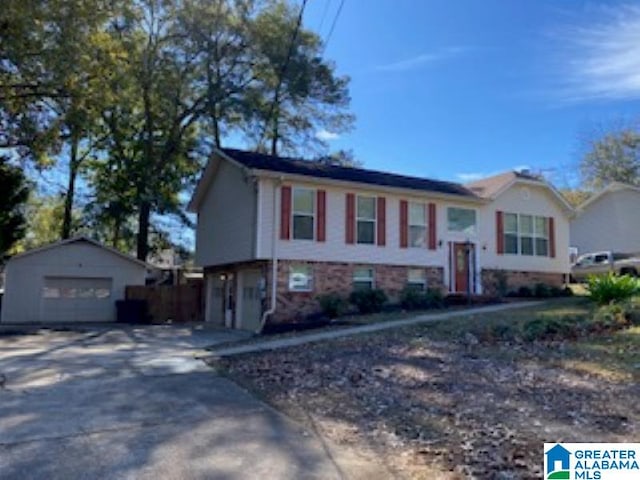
(77,299)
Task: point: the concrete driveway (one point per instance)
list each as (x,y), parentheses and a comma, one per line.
(120,403)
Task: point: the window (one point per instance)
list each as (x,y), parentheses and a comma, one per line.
(79,292)
(461,220)
(526,235)
(300,278)
(366,220)
(417,279)
(417,225)
(363,278)
(511,233)
(303,213)
(541,235)
(50,292)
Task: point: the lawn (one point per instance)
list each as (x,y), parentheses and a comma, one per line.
(455,399)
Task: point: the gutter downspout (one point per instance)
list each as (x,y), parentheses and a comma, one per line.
(274,258)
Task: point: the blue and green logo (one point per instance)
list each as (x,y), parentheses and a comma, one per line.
(558,463)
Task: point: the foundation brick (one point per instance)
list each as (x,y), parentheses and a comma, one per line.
(491,280)
(330,277)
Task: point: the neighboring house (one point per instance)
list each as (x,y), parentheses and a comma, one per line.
(608,221)
(320,228)
(75,280)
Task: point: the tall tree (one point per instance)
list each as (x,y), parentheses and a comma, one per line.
(614,156)
(296,93)
(13,196)
(51,77)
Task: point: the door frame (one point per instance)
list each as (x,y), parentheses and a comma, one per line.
(472,266)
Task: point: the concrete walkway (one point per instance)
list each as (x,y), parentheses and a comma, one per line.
(345,332)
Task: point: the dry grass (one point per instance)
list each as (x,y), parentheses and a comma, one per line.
(432,403)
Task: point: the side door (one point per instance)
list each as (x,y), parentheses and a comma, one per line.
(251,300)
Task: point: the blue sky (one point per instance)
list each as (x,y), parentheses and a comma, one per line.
(465,88)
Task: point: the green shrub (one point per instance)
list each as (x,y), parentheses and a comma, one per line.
(524,292)
(500,333)
(632,307)
(604,289)
(500,278)
(541,290)
(613,316)
(412,299)
(368,301)
(332,304)
(552,328)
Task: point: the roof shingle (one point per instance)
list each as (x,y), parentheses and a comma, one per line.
(309,168)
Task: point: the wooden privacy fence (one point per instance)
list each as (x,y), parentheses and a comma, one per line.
(176,303)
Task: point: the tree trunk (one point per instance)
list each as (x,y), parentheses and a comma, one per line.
(275,132)
(71,187)
(143,230)
(117,222)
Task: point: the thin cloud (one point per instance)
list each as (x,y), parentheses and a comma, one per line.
(601,60)
(421,60)
(326,135)
(469,177)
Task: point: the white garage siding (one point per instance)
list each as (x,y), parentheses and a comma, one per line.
(75,281)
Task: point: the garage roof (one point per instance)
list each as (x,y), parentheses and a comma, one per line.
(81,238)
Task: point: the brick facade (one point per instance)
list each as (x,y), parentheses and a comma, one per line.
(491,279)
(332,277)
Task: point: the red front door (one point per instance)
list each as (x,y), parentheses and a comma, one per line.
(461,267)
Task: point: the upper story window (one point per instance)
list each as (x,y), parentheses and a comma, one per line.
(461,220)
(366,220)
(304,212)
(526,234)
(417,225)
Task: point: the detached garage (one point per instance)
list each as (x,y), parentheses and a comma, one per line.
(75,280)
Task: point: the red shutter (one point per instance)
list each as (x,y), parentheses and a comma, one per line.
(350,218)
(552,238)
(432,226)
(321,218)
(285,213)
(499,233)
(404,224)
(382,221)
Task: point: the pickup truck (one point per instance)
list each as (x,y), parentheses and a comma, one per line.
(600,263)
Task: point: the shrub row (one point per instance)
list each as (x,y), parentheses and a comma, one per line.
(604,319)
(541,290)
(375,300)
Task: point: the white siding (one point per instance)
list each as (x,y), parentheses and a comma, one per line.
(334,249)
(225,232)
(611,222)
(530,200)
(540,202)
(25,275)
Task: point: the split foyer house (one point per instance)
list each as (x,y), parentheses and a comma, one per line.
(318,228)
(608,221)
